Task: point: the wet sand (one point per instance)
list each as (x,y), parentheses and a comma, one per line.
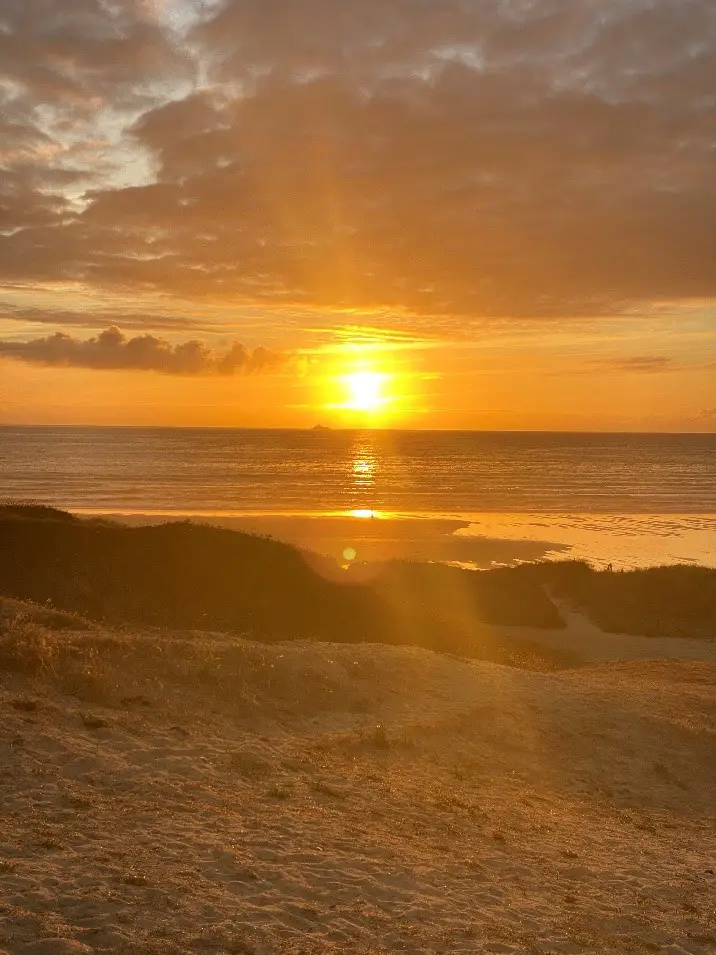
(480,541)
(371,538)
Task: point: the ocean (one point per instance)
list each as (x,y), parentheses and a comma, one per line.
(476,498)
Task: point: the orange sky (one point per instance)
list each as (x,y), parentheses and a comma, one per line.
(506,380)
(217,213)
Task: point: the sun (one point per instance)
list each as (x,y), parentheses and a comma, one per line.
(365,390)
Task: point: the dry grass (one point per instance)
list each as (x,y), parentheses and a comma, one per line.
(140,669)
(26,611)
(27,649)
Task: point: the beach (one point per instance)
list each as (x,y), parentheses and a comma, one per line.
(474,541)
(214,742)
(172,791)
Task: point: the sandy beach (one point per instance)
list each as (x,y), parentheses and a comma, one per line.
(187,792)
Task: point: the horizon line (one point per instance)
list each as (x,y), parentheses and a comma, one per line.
(327,428)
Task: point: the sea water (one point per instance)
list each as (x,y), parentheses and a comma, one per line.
(627,499)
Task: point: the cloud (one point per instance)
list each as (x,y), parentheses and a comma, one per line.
(443,157)
(70,80)
(81,55)
(112,350)
(146,320)
(637,363)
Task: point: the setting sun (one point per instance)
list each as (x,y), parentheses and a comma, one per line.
(365,390)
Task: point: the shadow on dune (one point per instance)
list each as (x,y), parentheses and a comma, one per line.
(185,575)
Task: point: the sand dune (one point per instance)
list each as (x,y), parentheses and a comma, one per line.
(316,798)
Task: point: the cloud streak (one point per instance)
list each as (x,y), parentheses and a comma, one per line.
(640,364)
(91,319)
(111,350)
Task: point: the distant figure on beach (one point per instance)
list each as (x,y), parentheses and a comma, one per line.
(609,568)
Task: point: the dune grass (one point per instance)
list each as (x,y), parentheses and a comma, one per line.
(72,573)
(190,576)
(674,601)
(213,672)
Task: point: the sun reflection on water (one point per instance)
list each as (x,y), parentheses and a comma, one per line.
(364,467)
(363,471)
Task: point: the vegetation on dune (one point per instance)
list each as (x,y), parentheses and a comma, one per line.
(674,601)
(32,511)
(442,597)
(184,575)
(134,670)
(190,576)
(102,667)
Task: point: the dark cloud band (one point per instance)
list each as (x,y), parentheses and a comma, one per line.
(112,350)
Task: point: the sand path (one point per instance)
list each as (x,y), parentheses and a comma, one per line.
(592,645)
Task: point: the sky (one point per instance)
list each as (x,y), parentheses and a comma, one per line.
(489,214)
